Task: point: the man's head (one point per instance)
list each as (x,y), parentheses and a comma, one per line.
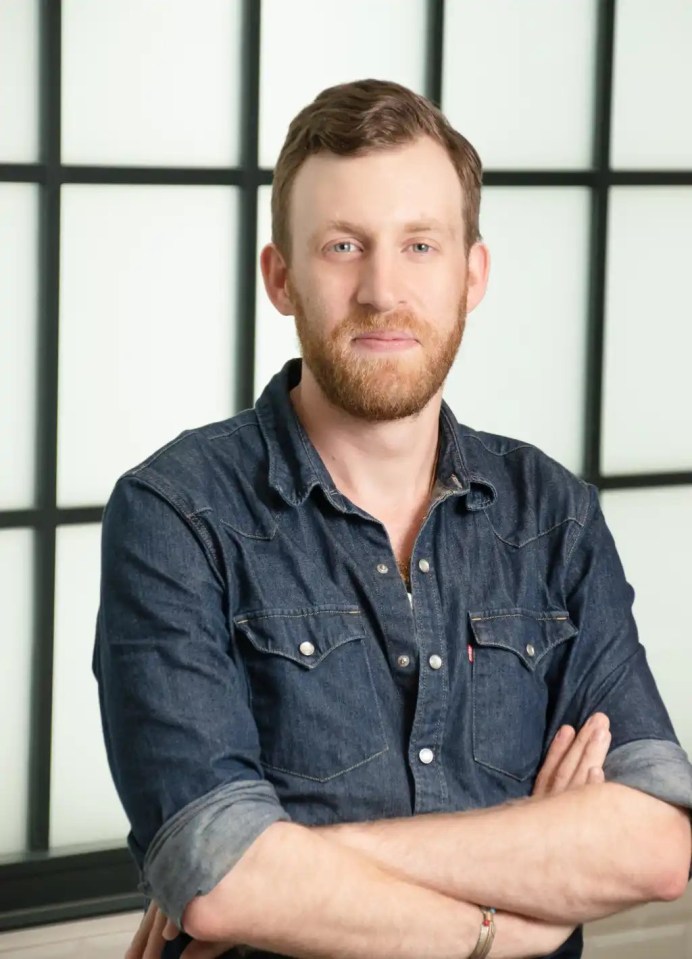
(375,208)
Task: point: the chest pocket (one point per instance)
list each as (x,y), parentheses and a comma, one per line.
(512,648)
(312,692)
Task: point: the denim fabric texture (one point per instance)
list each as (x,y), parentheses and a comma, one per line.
(252,620)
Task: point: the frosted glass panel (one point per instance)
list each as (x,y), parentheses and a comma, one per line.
(653,529)
(652,85)
(147,83)
(147,327)
(16,630)
(647,393)
(308,45)
(18,81)
(275,334)
(79,814)
(519,80)
(520,370)
(18,311)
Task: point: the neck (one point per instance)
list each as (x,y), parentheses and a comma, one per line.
(389,465)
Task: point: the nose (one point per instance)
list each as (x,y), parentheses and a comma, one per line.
(377,282)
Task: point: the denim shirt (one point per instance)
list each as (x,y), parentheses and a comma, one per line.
(258,658)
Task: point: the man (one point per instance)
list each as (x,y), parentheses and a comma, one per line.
(339,631)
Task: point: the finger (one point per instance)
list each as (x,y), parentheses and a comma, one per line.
(595,775)
(170,930)
(156,942)
(137,946)
(569,764)
(561,743)
(594,754)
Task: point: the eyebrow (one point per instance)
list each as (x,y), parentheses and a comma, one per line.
(345,226)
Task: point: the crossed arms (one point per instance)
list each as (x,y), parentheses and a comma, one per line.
(578,849)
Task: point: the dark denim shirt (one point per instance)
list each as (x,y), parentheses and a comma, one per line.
(258,658)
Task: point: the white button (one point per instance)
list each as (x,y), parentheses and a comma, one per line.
(381,568)
(307,649)
(403,660)
(530,650)
(426,755)
(423,565)
(435,661)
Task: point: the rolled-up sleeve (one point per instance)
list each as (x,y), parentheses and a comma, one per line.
(608,670)
(181,741)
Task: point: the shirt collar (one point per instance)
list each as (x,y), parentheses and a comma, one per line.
(295,466)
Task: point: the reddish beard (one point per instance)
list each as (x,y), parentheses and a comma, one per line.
(381,386)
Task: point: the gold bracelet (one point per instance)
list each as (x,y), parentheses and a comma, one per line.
(487,933)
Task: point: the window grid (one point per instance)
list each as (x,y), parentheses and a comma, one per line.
(38,887)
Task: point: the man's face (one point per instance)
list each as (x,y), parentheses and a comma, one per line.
(378,278)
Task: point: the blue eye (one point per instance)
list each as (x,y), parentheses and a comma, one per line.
(423,244)
(342,243)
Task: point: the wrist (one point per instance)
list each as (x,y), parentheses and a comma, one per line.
(486,933)
(520,936)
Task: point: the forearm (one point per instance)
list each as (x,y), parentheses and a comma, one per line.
(573,857)
(298,893)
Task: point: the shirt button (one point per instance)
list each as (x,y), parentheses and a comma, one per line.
(381,568)
(426,755)
(403,661)
(435,661)
(307,649)
(423,565)
(530,650)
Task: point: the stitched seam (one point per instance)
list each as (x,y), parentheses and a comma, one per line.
(154,456)
(521,446)
(438,735)
(590,508)
(191,520)
(475,619)
(507,542)
(236,429)
(300,614)
(307,662)
(326,779)
(241,532)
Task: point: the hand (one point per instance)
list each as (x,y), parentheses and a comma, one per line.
(575,759)
(156,929)
(149,940)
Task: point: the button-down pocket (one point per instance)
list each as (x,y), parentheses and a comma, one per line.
(312,692)
(510,695)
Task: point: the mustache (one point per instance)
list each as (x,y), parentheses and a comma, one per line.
(356,324)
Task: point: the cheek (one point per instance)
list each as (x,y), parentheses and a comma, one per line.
(327,301)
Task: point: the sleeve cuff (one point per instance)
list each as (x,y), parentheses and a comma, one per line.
(198,846)
(655,766)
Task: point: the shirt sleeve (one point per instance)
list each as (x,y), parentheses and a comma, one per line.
(181,741)
(608,670)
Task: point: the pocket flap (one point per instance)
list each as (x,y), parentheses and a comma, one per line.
(530,633)
(304,635)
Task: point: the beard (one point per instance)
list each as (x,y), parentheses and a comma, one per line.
(378,387)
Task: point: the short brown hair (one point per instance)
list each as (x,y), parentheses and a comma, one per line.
(354,118)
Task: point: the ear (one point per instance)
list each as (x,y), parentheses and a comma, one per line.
(478,272)
(275,276)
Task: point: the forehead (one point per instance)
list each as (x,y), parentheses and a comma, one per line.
(389,186)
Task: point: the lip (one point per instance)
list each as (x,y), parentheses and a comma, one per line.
(386,335)
(390,341)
